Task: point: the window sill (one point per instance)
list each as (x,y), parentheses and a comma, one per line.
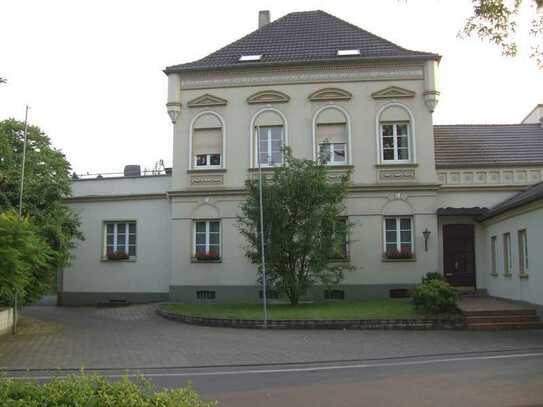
(205,170)
(340,166)
(195,260)
(387,260)
(509,275)
(524,275)
(395,165)
(118,261)
(494,274)
(268,169)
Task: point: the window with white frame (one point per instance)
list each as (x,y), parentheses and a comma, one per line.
(494,256)
(269,145)
(398,234)
(332,142)
(523,251)
(507,261)
(207,148)
(395,142)
(120,239)
(207,237)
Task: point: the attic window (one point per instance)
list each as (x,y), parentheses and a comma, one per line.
(248,58)
(347,52)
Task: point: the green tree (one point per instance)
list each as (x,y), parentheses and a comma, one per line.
(47,184)
(498,21)
(302,233)
(24,254)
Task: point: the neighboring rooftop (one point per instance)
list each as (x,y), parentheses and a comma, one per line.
(488,145)
(531,194)
(303,37)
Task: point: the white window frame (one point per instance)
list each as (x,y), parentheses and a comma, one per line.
(494,255)
(207,235)
(192,158)
(395,125)
(269,145)
(127,233)
(507,260)
(399,242)
(208,160)
(523,251)
(332,160)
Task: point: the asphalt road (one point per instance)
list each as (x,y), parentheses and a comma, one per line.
(454,379)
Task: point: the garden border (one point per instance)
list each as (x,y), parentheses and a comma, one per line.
(427,323)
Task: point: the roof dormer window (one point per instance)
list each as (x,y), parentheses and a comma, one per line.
(347,52)
(249,58)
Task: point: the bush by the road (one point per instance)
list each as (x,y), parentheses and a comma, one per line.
(94,391)
(435,296)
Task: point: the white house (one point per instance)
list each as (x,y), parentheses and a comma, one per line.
(325,88)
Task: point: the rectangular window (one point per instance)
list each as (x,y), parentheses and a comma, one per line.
(494,257)
(207,161)
(269,145)
(395,142)
(120,240)
(523,251)
(332,153)
(207,148)
(207,240)
(398,238)
(507,265)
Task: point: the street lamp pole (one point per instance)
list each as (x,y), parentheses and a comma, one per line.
(15,305)
(263,256)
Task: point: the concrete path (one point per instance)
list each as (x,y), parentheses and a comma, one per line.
(135,337)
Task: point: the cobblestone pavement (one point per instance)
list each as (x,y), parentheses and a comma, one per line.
(135,337)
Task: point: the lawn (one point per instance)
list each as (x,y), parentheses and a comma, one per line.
(389,308)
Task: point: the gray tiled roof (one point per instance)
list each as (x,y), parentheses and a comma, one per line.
(483,145)
(533,193)
(302,37)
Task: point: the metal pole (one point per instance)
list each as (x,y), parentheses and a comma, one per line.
(15,302)
(263,256)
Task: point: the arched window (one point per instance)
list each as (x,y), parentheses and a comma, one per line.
(331,136)
(207,141)
(395,127)
(269,136)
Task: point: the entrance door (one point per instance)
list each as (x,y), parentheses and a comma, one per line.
(459,255)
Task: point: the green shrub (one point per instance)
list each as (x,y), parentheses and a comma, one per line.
(95,391)
(432,276)
(435,296)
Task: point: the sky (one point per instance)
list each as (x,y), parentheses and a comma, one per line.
(91,71)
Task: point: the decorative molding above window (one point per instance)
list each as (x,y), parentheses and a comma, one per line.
(206,101)
(268,96)
(326,94)
(393,92)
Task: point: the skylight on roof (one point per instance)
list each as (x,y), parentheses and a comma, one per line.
(247,58)
(347,52)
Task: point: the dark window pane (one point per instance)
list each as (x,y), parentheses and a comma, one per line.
(110,227)
(132,239)
(132,250)
(402,142)
(401,129)
(388,142)
(405,224)
(387,130)
(391,237)
(200,227)
(121,239)
(388,154)
(201,160)
(215,159)
(403,154)
(405,236)
(132,227)
(200,238)
(200,249)
(109,240)
(390,224)
(121,227)
(213,226)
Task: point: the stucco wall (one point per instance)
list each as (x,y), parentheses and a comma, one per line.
(149,273)
(299,113)
(528,289)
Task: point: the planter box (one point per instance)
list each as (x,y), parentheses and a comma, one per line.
(6,320)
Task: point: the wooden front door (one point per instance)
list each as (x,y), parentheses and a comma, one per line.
(459,255)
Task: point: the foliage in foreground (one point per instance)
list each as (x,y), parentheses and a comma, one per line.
(95,391)
(301,228)
(47,183)
(24,254)
(435,296)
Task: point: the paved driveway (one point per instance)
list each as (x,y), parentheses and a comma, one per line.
(135,337)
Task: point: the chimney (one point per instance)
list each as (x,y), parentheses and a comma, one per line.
(132,171)
(263,18)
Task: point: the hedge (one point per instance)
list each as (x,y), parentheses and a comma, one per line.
(85,390)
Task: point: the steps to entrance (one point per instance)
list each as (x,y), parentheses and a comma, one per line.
(488,313)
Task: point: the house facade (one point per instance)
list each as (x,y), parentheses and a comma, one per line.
(329,90)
